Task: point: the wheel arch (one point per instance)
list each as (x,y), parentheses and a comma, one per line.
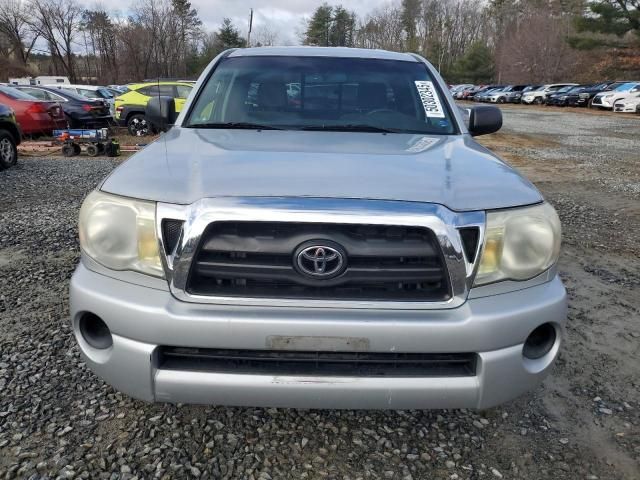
(13,130)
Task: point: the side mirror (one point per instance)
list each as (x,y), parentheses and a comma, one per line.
(161,112)
(484,119)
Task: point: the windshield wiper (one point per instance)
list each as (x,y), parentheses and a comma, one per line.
(234,125)
(348,128)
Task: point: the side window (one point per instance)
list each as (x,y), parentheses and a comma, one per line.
(182,91)
(149,91)
(166,90)
(55,97)
(88,93)
(42,95)
(215,90)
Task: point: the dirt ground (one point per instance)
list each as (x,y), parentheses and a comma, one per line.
(589,169)
(58,420)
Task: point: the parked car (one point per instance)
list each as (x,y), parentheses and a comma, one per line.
(35,116)
(468,93)
(10,137)
(587,95)
(484,97)
(628,105)
(479,91)
(504,95)
(131,106)
(516,96)
(456,92)
(91,92)
(79,111)
(567,96)
(319,256)
(539,96)
(606,100)
(480,95)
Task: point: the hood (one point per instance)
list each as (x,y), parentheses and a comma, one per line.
(186,164)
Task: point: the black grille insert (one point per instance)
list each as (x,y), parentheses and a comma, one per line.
(171,231)
(276,362)
(256,259)
(470,237)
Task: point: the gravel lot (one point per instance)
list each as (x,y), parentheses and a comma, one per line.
(57,420)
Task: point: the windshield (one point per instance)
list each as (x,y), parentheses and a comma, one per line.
(105,93)
(16,94)
(322,93)
(625,87)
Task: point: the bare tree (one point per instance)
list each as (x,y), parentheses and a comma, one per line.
(15,27)
(58,22)
(383,28)
(265,35)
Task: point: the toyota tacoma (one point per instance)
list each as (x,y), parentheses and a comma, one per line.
(318,228)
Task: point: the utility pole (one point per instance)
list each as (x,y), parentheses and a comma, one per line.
(250,26)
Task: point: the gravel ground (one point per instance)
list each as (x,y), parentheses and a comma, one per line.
(57,420)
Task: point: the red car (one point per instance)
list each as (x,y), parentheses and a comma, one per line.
(36,117)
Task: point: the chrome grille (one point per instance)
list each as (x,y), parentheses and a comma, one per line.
(257,259)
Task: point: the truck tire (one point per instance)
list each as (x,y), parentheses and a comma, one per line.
(92,150)
(68,150)
(8,150)
(137,125)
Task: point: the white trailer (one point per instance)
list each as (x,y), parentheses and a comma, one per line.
(40,80)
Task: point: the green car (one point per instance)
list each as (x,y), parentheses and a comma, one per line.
(131,105)
(10,137)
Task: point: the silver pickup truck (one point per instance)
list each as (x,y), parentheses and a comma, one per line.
(318,228)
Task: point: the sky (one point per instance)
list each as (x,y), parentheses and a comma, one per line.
(283,16)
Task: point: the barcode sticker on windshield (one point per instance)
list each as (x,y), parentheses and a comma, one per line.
(429,99)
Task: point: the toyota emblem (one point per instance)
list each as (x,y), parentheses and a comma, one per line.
(320,260)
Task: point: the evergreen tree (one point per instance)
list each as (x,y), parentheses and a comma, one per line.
(342,28)
(228,36)
(410,12)
(475,66)
(610,19)
(319,28)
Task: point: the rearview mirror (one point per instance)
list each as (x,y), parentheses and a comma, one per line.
(484,119)
(161,112)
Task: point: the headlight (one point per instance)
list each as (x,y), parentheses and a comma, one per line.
(120,233)
(519,244)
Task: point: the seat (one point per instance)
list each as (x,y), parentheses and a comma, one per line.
(372,96)
(272,96)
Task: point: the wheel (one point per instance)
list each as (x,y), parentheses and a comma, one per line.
(92,150)
(68,150)
(501,100)
(538,101)
(76,149)
(137,125)
(8,150)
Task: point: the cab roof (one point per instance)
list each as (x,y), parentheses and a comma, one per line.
(306,51)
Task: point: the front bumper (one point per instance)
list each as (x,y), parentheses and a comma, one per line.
(142,318)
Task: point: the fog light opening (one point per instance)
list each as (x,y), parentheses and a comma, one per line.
(95,332)
(540,341)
